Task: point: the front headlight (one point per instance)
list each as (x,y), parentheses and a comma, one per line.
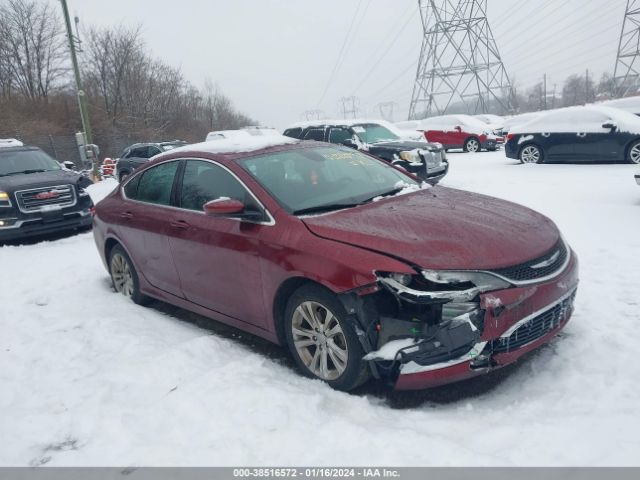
(441,286)
(410,156)
(484,282)
(5,200)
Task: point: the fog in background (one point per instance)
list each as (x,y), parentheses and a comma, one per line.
(275,58)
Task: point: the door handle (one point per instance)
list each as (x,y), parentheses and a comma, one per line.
(582,134)
(126,215)
(180,224)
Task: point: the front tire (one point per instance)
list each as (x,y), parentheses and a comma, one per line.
(472,145)
(531,154)
(124,277)
(633,156)
(321,340)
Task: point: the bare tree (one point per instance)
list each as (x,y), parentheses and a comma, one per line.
(32,47)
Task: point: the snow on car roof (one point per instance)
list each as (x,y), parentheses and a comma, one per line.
(10,142)
(238,144)
(628,104)
(587,119)
(342,122)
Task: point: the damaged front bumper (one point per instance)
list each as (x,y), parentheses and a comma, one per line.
(516,321)
(465,332)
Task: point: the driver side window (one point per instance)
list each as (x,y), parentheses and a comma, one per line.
(205,181)
(339,135)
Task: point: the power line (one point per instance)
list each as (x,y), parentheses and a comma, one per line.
(342,49)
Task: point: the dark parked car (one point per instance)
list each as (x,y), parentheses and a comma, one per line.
(138,154)
(38,196)
(577,134)
(427,161)
(342,257)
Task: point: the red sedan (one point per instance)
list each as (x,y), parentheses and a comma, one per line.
(460,131)
(359,269)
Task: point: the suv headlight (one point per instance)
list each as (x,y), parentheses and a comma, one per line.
(5,199)
(410,156)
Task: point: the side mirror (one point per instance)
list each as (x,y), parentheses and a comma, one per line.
(457,128)
(349,143)
(69,165)
(229,207)
(609,125)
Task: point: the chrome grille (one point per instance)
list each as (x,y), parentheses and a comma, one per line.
(536,327)
(44,198)
(540,267)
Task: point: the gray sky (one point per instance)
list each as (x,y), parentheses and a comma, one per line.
(274,58)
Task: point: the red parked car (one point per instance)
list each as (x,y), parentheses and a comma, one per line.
(359,269)
(460,131)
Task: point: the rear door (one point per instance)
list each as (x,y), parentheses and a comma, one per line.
(144,223)
(218,257)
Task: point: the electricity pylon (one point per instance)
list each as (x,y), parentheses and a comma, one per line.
(460,67)
(627,71)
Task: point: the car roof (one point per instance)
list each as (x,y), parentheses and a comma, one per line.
(336,122)
(233,148)
(23,148)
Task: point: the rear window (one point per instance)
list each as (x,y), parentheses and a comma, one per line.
(293,132)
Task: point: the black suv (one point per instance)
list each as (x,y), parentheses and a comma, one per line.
(427,161)
(139,153)
(38,196)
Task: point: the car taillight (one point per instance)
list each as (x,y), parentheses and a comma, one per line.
(92,211)
(510,136)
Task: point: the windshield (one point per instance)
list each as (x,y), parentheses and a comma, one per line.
(373,132)
(324,178)
(26,161)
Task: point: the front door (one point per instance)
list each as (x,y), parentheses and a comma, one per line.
(217,257)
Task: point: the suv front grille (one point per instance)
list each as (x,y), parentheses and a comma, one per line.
(540,267)
(535,328)
(39,199)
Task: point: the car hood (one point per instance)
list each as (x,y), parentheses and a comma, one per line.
(403,145)
(35,180)
(443,228)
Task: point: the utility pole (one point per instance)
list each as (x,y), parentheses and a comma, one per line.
(82,98)
(545,91)
(460,65)
(586,87)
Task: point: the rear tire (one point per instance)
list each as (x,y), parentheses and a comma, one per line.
(321,339)
(472,145)
(124,277)
(531,154)
(633,155)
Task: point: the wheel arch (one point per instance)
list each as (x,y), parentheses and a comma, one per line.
(283,293)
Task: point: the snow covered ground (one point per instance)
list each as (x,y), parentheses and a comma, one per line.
(88,378)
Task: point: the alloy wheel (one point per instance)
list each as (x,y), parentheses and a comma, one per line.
(472,146)
(319,340)
(121,274)
(634,153)
(530,154)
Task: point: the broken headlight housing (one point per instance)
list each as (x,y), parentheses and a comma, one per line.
(439,309)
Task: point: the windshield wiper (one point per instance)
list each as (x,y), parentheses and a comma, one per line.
(326,208)
(385,194)
(33,170)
